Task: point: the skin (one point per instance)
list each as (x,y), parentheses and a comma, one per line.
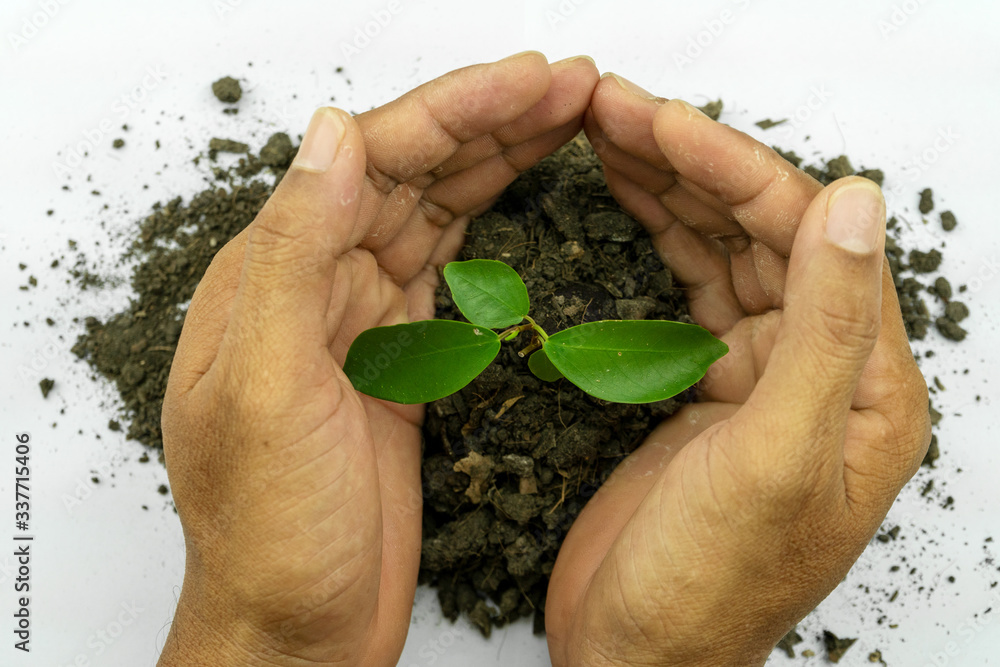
(300,499)
(740,513)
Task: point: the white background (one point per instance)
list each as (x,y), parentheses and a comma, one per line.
(881,81)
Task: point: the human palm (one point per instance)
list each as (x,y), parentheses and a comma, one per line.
(700,548)
(300,498)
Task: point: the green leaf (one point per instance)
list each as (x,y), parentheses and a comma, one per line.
(488,293)
(419,362)
(634,361)
(539,364)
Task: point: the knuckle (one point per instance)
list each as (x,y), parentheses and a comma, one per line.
(280,235)
(841,333)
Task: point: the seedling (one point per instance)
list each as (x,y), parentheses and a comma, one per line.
(624,361)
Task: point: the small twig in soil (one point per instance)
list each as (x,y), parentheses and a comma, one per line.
(585,311)
(563,498)
(559,408)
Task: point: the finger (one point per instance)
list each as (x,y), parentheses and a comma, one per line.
(414,134)
(892,431)
(398,450)
(446,202)
(602,519)
(733,378)
(207,317)
(460,177)
(831,320)
(567,98)
(699,263)
(622,114)
(760,190)
(421,288)
(293,248)
(619,126)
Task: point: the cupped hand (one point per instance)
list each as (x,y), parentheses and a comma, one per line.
(299,498)
(744,510)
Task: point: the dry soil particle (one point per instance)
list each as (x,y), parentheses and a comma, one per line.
(174,246)
(46,385)
(216,145)
(227,89)
(948,221)
(835,646)
(767,123)
(926,201)
(925,262)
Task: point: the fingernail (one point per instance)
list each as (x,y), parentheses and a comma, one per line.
(525,53)
(855,217)
(632,88)
(322,139)
(692,110)
(575,58)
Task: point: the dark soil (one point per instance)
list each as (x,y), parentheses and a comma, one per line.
(46,385)
(509,461)
(836,647)
(227,89)
(175,244)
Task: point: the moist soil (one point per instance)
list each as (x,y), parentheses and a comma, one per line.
(509,461)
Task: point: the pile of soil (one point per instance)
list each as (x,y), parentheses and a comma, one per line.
(509,461)
(174,246)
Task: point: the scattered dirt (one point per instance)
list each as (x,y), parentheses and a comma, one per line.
(216,146)
(948,221)
(46,385)
(835,646)
(767,123)
(926,204)
(175,244)
(509,461)
(227,89)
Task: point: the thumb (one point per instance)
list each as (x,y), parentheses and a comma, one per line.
(832,310)
(294,244)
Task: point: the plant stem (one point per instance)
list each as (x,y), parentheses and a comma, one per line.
(541,332)
(514,329)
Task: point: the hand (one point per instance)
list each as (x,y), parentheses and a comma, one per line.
(299,498)
(743,511)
